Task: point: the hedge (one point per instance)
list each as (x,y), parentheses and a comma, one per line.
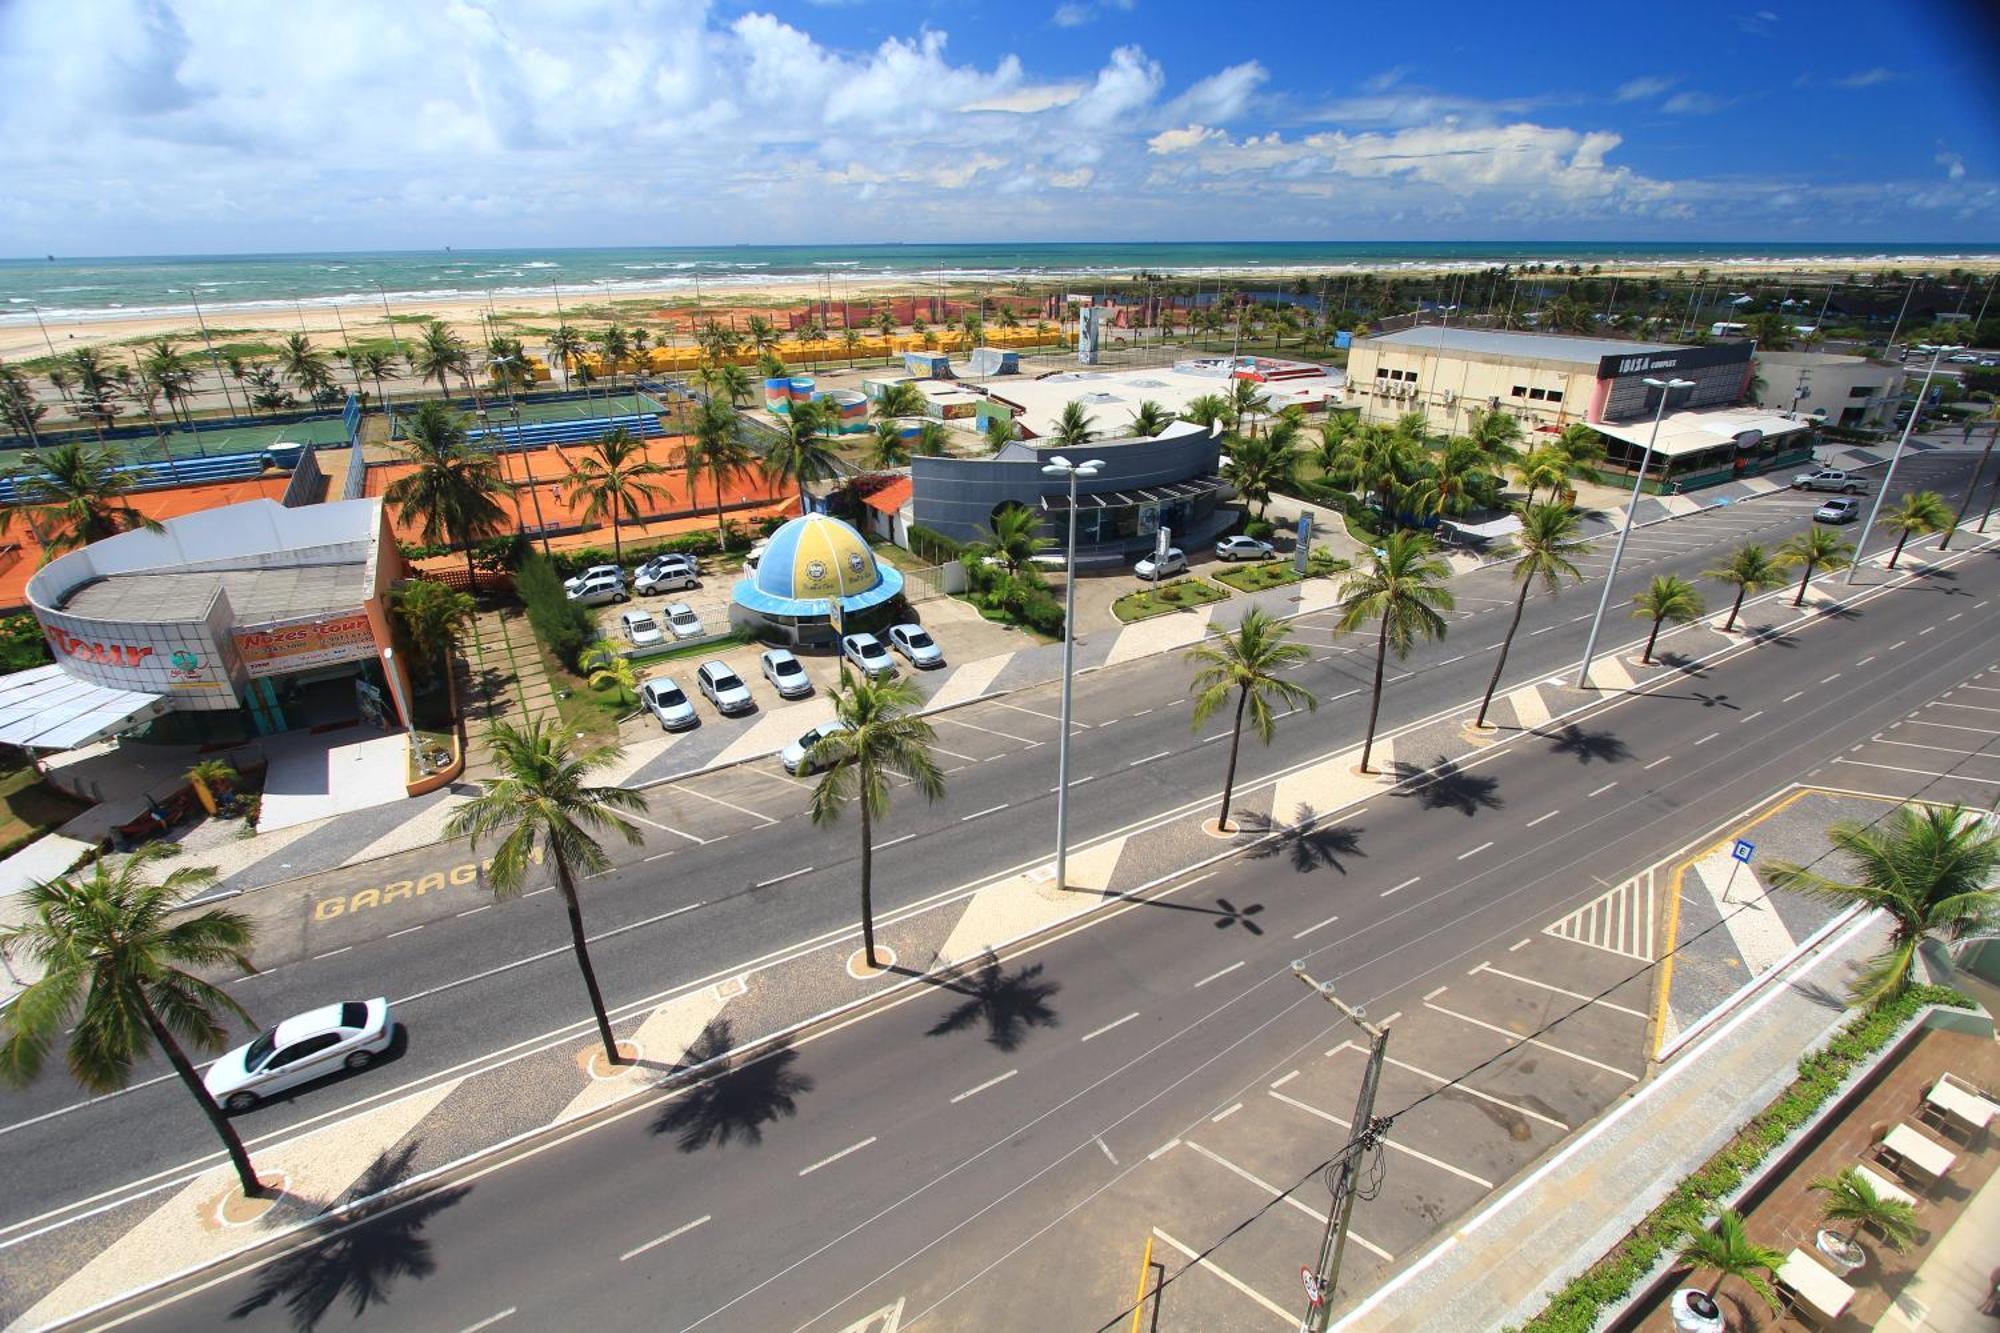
(932,546)
(563,626)
(1583,1300)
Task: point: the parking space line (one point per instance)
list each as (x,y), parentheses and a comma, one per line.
(1196,1260)
(692,790)
(1977,708)
(1392,1144)
(682,1230)
(1443,1081)
(1293,1200)
(1918,745)
(968,758)
(1949,726)
(1223,1115)
(1213,976)
(1163,1150)
(1574,995)
(1920,772)
(974,726)
(1434,994)
(1315,926)
(991,1082)
(1516,1039)
(1120,1022)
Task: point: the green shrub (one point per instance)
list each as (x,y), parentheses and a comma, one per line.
(932,546)
(21,643)
(1259,530)
(563,627)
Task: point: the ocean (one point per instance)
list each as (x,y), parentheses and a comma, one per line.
(71,289)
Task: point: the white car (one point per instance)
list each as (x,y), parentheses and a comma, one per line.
(1963,359)
(912,642)
(666,573)
(1240,547)
(312,1045)
(682,620)
(1152,568)
(795,757)
(598,585)
(785,673)
(723,688)
(665,701)
(641,628)
(866,651)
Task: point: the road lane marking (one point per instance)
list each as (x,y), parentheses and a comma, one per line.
(1197,1260)
(1391,1144)
(1289,1198)
(1748,718)
(546,888)
(1656,763)
(1796,694)
(1574,995)
(1601,790)
(1897,644)
(1404,885)
(698,841)
(1475,851)
(829,1161)
(1538,819)
(345,948)
(1920,772)
(1105,1148)
(1163,1150)
(1519,945)
(893,841)
(780,879)
(989,1083)
(490,1320)
(1221,1116)
(681,1230)
(542,955)
(1216,975)
(1336,698)
(1866,660)
(1113,1024)
(475,911)
(407,930)
(656,856)
(1315,926)
(1075,782)
(1516,1039)
(1830,679)
(981,814)
(1149,759)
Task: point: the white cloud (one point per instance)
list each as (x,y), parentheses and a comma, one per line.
(1384,81)
(1071,16)
(1640,89)
(1866,78)
(1953,164)
(1221,97)
(1129,83)
(1692,104)
(1180,141)
(1028,99)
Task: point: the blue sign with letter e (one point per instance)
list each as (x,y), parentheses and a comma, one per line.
(1743,850)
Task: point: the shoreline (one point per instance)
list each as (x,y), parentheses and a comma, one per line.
(671,305)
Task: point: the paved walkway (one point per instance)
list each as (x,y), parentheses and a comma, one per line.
(505,680)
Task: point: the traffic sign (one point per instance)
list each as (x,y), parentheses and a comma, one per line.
(1315,1293)
(1743,850)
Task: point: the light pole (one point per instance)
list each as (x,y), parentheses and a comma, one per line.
(1666,388)
(1364,1133)
(1062,467)
(1881,492)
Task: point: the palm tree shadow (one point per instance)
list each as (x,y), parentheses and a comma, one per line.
(1446,786)
(736,1103)
(360,1255)
(1310,848)
(1587,746)
(1226,913)
(1009,1005)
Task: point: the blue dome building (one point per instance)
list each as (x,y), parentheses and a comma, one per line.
(809,566)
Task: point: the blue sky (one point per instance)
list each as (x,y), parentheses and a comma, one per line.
(153,126)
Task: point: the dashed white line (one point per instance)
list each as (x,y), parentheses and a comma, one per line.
(1404,885)
(1538,819)
(1518,945)
(1149,759)
(893,841)
(332,952)
(1601,790)
(681,1230)
(1830,679)
(1897,644)
(1163,1150)
(1221,1116)
(536,893)
(657,856)
(1796,694)
(829,1161)
(989,1083)
(1336,698)
(1866,660)
(981,814)
(1926,630)
(490,1320)
(475,911)
(1474,851)
(1315,926)
(407,930)
(1449,660)
(1543,630)
(780,879)
(1213,976)
(1089,1036)
(1706,739)
(1656,763)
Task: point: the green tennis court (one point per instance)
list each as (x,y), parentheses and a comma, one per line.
(246,438)
(578,409)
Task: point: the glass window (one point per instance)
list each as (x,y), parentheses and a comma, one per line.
(1520,391)
(1555,395)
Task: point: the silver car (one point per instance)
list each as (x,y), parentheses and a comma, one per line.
(665,701)
(723,688)
(866,651)
(912,642)
(796,757)
(1240,547)
(785,673)
(682,620)
(312,1045)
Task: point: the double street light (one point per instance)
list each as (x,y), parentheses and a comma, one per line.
(1666,388)
(1938,353)
(1059,466)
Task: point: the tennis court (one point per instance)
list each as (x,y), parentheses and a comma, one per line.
(245,438)
(579,409)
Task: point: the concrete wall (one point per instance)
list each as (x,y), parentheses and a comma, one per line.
(1446,387)
(1853,390)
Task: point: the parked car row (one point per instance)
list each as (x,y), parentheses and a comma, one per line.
(725,690)
(602,584)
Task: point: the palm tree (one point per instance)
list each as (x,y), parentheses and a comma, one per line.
(1851,1199)
(1072,428)
(886,447)
(1547,466)
(1378,461)
(614,344)
(74,495)
(1149,419)
(543,809)
(96,387)
(804,453)
(1001,431)
(760,333)
(1927,870)
(1916,513)
(901,399)
(932,440)
(1206,410)
(1333,432)
(1016,538)
(879,736)
(437,354)
(114,955)
(1548,548)
(208,778)
(1815,548)
(452,492)
(604,665)
(1258,466)
(1731,1253)
(850,340)
(1751,569)
(1402,586)
(1247,402)
(433,615)
(1496,432)
(1247,660)
(565,346)
(717,449)
(1668,598)
(379,365)
(305,365)
(18,405)
(614,477)
(734,381)
(174,373)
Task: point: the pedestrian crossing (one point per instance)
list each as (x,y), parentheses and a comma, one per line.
(1620,921)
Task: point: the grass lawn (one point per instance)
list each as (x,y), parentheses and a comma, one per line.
(1277,573)
(592,711)
(29,807)
(1179,595)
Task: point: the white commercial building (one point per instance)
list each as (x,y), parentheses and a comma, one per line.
(1851,391)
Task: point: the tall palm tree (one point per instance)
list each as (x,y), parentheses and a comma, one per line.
(1001,431)
(542,809)
(615,344)
(1548,547)
(437,353)
(1978,470)
(378,365)
(1247,402)
(1325,451)
(96,387)
(1149,419)
(734,384)
(850,341)
(886,447)
(1247,660)
(1377,461)
(1496,432)
(174,372)
(1915,514)
(1668,597)
(1544,466)
(1731,1253)
(74,494)
(615,478)
(566,345)
(1015,537)
(143,389)
(1927,869)
(452,492)
(901,399)
(1456,480)
(760,333)
(115,951)
(717,449)
(1751,568)
(1073,428)
(1814,549)
(433,616)
(305,365)
(18,406)
(1403,587)
(879,736)
(603,664)
(804,451)
(1257,466)
(1206,410)
(1851,1199)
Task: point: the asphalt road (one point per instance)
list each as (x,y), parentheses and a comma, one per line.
(731,869)
(991,1159)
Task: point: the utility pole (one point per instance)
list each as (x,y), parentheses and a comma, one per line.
(1364,1134)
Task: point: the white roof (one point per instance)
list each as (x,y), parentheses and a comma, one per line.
(1515,345)
(48,709)
(1691,432)
(1113,397)
(1491,530)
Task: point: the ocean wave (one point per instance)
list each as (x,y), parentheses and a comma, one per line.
(540,263)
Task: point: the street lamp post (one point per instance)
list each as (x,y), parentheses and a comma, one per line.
(1881,492)
(1666,388)
(1062,467)
(1364,1134)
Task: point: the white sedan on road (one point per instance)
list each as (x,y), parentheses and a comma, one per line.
(312,1045)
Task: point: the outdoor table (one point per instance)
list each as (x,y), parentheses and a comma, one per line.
(1913,1149)
(1818,1290)
(1967,1108)
(1883,1186)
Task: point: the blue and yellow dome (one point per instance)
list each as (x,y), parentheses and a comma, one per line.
(812,560)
